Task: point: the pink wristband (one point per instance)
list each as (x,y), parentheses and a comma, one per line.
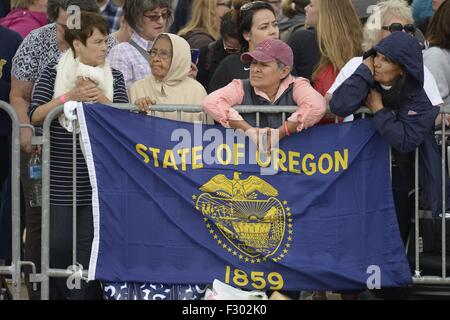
(62,99)
(286,128)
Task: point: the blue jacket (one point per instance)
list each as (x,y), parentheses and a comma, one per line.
(412,124)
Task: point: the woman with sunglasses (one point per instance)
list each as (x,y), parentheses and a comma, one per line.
(386,14)
(204,26)
(437,57)
(147,18)
(256,22)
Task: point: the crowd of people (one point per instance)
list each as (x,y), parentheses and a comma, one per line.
(392,56)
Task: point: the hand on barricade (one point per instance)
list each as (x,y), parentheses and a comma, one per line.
(262,138)
(273,138)
(144,103)
(438,121)
(194,71)
(25,139)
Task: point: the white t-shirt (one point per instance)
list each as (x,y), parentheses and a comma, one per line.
(429,85)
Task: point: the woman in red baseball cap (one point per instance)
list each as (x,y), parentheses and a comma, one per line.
(270,83)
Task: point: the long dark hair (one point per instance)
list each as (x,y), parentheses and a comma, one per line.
(438,33)
(245,18)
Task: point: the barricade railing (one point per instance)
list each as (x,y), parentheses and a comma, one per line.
(14,270)
(418,278)
(47,271)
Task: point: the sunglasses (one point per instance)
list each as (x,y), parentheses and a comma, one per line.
(395,27)
(254,5)
(155,17)
(225,4)
(230,50)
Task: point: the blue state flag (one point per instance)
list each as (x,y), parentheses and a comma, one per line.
(179,203)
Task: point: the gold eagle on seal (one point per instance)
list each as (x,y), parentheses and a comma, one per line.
(247,214)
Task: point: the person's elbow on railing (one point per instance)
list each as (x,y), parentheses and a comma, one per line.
(352,93)
(311,106)
(219,105)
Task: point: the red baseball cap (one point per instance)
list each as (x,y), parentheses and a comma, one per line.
(270,50)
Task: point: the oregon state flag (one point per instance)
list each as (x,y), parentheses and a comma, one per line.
(179,203)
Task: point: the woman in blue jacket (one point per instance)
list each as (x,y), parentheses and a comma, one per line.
(390,83)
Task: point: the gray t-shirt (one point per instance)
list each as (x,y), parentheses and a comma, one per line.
(437,61)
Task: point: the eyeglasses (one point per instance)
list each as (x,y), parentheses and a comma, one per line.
(162,54)
(155,17)
(395,27)
(253,5)
(225,4)
(230,50)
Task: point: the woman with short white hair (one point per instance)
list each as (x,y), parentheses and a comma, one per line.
(383,16)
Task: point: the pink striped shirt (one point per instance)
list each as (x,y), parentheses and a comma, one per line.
(311,105)
(127,59)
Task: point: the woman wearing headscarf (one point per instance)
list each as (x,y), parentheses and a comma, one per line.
(168,83)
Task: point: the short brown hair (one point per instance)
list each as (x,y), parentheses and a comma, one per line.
(89,22)
(438,33)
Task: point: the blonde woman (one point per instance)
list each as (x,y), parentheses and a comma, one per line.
(204,26)
(339,35)
(334,37)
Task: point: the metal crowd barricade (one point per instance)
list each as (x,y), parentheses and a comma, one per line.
(16,263)
(47,272)
(418,278)
(14,268)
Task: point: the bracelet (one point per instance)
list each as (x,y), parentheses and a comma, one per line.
(62,99)
(286,128)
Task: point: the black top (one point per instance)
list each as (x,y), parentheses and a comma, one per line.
(306,52)
(210,58)
(229,69)
(61,143)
